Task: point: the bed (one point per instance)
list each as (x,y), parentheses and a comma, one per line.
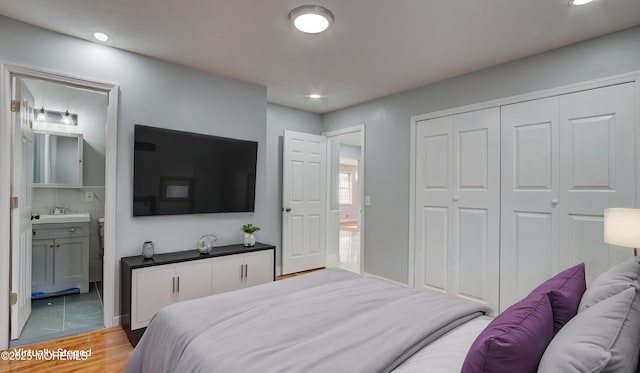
(336,321)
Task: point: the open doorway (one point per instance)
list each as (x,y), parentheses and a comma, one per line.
(61,141)
(67,182)
(346,196)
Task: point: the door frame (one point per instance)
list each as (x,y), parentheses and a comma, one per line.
(109,268)
(361,181)
(560,90)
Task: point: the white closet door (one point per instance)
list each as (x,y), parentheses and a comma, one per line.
(597,171)
(530,186)
(434,184)
(457,205)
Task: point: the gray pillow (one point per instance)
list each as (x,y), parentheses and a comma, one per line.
(613,281)
(603,338)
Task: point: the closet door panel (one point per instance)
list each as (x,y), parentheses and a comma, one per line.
(529,197)
(434,143)
(597,171)
(476,201)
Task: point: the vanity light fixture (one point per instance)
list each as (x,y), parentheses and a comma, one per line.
(66,118)
(42,115)
(311,19)
(579,2)
(101,36)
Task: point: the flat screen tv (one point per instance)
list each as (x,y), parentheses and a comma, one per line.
(179,172)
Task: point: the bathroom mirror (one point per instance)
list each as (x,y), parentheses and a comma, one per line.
(57,159)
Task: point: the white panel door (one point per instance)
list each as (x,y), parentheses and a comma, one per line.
(193,280)
(457,205)
(597,170)
(304,202)
(475,257)
(21,188)
(530,186)
(434,184)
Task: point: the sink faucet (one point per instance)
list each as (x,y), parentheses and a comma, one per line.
(59,210)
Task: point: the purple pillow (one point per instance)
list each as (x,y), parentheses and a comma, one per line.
(515,340)
(565,291)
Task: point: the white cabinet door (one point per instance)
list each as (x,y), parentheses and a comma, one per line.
(597,170)
(42,265)
(259,267)
(151,289)
(457,205)
(193,280)
(530,193)
(227,274)
(71,257)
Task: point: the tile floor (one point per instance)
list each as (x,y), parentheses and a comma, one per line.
(63,315)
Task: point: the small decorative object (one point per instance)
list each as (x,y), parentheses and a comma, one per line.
(249,237)
(206,243)
(147,249)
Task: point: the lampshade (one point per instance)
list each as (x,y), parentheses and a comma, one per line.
(622,227)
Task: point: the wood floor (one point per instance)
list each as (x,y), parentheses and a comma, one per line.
(109,349)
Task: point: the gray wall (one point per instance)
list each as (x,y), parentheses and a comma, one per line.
(161,94)
(387,123)
(280,118)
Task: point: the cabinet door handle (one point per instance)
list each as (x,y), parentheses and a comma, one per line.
(58,245)
(173,283)
(246,270)
(178,281)
(51,246)
(72,230)
(241,270)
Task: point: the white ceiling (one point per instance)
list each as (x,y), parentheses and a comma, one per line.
(374,47)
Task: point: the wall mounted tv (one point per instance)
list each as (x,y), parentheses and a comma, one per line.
(179,172)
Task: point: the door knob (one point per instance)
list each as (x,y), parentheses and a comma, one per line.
(288,209)
(554,202)
(456,198)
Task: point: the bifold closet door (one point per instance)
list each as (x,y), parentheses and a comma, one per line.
(564,160)
(529,247)
(597,170)
(457,205)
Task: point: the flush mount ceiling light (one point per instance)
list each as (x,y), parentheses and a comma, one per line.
(579,2)
(311,19)
(101,36)
(315,95)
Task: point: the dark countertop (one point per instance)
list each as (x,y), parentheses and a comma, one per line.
(138,261)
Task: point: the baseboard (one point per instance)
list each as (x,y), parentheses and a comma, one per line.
(115,321)
(385,279)
(333,259)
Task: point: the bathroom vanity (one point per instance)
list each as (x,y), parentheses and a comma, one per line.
(60,253)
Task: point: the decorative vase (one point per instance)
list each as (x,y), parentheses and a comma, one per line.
(206,243)
(249,239)
(147,249)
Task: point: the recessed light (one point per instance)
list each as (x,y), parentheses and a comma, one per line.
(311,19)
(315,95)
(580,2)
(101,36)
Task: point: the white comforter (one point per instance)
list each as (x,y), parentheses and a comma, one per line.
(327,321)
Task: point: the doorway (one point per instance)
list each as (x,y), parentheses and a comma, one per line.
(71,126)
(346,197)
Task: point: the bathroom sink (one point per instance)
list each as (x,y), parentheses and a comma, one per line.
(66,218)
